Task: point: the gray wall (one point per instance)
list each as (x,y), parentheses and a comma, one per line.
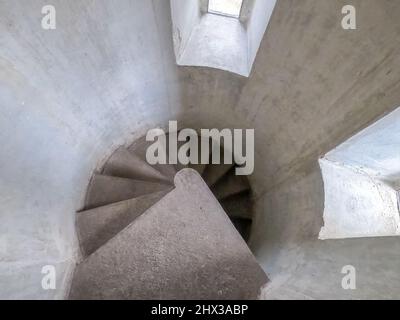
(313,86)
(68,97)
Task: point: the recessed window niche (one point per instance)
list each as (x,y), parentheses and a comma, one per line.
(221,34)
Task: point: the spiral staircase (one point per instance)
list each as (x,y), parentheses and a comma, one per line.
(165,232)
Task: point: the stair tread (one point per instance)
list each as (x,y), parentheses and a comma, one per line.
(182,247)
(238,206)
(179,166)
(125,164)
(104,190)
(230,184)
(139,148)
(214,172)
(97,226)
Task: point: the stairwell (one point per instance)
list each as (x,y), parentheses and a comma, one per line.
(165,232)
(108,74)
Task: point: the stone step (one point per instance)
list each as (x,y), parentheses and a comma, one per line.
(183,247)
(229,185)
(97,226)
(200,168)
(179,166)
(125,164)
(139,148)
(104,190)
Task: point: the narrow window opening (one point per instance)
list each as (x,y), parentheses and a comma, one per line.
(229,8)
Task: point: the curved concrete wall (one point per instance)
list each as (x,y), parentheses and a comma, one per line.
(107,74)
(314,85)
(69,97)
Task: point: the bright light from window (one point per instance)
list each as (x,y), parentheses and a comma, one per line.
(229,8)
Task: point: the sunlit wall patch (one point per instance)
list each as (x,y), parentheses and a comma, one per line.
(230,8)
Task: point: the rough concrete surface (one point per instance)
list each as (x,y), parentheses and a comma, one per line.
(97,226)
(69,97)
(104,190)
(183,247)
